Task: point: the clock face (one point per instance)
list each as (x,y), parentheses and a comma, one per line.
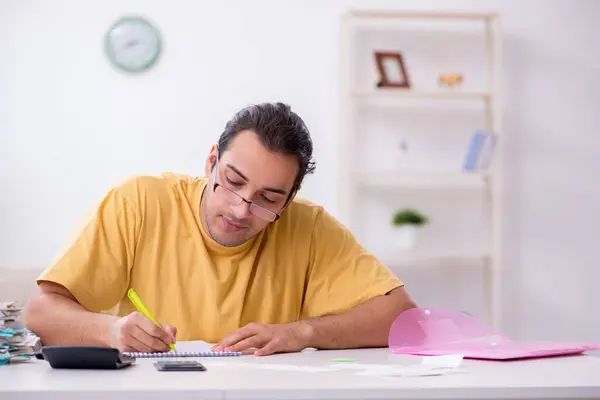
(133,44)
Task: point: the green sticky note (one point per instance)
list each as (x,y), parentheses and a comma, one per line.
(343,360)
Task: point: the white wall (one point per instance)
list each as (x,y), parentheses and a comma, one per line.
(71,126)
(552,94)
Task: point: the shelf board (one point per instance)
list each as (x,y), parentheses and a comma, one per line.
(402,257)
(392,93)
(426,179)
(383,14)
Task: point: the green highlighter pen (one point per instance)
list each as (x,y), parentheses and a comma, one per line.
(137,302)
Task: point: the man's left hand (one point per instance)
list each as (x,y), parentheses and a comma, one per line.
(268,338)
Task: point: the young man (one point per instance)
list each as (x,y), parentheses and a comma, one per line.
(233,258)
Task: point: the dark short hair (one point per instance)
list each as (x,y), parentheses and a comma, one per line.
(279,129)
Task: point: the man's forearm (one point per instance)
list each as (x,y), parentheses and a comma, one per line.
(58,320)
(366,325)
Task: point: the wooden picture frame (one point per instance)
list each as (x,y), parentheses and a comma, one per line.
(383,57)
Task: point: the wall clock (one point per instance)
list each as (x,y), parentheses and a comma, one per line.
(133,44)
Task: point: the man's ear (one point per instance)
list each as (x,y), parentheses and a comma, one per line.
(211,159)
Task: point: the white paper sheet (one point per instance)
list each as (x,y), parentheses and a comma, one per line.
(448,361)
(193,345)
(429,366)
(272,367)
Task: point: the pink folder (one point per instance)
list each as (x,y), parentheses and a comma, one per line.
(440,331)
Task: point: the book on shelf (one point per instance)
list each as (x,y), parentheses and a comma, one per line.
(480,151)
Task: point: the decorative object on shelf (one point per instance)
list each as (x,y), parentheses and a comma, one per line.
(133,44)
(406,223)
(388,63)
(480,151)
(404,146)
(450,80)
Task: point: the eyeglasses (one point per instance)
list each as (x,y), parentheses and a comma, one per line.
(235,199)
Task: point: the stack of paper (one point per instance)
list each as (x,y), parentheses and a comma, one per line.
(429,366)
(16,342)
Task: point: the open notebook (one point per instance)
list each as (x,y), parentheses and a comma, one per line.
(196,348)
(440,331)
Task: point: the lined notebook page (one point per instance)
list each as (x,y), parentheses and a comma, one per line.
(195,348)
(193,345)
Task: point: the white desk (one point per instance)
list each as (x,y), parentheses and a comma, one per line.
(558,378)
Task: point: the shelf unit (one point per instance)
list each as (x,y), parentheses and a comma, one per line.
(356,181)
(386,93)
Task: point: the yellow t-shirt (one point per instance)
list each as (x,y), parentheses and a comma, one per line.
(146,234)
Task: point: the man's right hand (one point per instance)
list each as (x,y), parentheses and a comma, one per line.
(136,333)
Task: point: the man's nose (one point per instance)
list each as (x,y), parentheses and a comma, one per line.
(242,210)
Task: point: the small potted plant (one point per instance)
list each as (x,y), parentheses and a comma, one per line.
(407,222)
